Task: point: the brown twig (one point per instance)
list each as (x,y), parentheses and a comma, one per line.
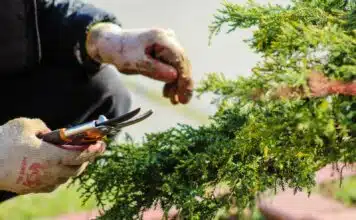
(319,86)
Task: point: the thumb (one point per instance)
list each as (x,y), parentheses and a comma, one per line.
(170,91)
(185,89)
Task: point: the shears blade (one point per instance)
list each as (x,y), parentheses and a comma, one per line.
(134,120)
(119,119)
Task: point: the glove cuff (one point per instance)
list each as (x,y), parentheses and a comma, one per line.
(96,34)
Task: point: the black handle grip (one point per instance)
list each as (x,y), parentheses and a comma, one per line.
(53,137)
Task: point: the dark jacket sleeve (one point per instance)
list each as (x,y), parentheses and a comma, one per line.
(63,25)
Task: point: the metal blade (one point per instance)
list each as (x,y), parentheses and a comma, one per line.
(135,120)
(122,118)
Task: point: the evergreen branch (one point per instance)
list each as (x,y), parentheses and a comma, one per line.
(252,144)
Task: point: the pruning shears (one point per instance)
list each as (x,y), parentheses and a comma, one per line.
(90,132)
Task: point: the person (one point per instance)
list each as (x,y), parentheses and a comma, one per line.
(61,62)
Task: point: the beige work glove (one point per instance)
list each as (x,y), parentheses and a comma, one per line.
(153,52)
(30,165)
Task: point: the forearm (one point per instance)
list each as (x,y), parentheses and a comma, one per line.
(63,29)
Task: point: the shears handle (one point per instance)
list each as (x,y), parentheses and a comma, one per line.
(54,137)
(93,131)
(59,137)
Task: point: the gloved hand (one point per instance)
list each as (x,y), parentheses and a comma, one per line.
(30,165)
(155,53)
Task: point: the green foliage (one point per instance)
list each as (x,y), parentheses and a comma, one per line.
(249,145)
(346,193)
(45,206)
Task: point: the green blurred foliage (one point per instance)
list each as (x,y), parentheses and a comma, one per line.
(46,205)
(345,192)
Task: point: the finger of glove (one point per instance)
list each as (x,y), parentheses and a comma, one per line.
(23,132)
(185,81)
(28,130)
(172,53)
(165,51)
(154,67)
(55,154)
(168,50)
(149,67)
(183,96)
(138,55)
(185,90)
(28,127)
(170,91)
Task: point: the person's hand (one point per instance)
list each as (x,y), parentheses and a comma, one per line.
(30,165)
(153,52)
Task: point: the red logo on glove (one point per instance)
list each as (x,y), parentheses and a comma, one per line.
(32,176)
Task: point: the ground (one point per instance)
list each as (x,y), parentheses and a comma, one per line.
(63,200)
